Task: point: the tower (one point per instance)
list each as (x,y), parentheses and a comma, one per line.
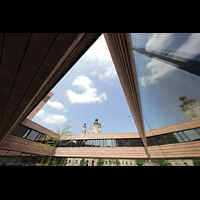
(83,131)
(95,128)
(190,107)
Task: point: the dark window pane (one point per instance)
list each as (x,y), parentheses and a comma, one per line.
(120,143)
(135,142)
(170,138)
(20,131)
(151,141)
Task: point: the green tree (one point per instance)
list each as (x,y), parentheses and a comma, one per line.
(52,141)
(140,162)
(117,162)
(160,162)
(100,162)
(83,162)
(196,162)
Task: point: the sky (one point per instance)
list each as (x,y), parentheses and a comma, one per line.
(90,90)
(160,83)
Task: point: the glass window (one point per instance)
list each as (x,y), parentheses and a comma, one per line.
(120,142)
(126,143)
(135,142)
(183,136)
(20,131)
(198,130)
(151,141)
(95,143)
(170,138)
(180,44)
(101,143)
(178,137)
(32,135)
(162,105)
(38,137)
(114,143)
(84,143)
(192,135)
(109,144)
(105,143)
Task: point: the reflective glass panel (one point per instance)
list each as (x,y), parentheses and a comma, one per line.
(120,142)
(114,143)
(20,131)
(151,141)
(186,45)
(198,130)
(170,138)
(169,95)
(109,144)
(32,135)
(178,137)
(134,142)
(183,136)
(101,143)
(192,135)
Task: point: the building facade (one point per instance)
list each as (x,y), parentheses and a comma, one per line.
(190,107)
(94,129)
(153,69)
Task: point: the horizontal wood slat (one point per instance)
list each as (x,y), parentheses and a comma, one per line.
(178,150)
(23,145)
(102,136)
(101,152)
(37,127)
(175,127)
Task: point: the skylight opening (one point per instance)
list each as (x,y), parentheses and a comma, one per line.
(90,90)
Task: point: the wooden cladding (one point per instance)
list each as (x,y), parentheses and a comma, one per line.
(120,49)
(23,145)
(39,106)
(101,136)
(174,128)
(31,65)
(39,128)
(101,152)
(175,151)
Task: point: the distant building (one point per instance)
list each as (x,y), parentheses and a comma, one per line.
(190,107)
(94,129)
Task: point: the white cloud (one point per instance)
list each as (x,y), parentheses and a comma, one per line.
(99,56)
(55,104)
(158,70)
(51,118)
(88,96)
(191,47)
(65,110)
(159,40)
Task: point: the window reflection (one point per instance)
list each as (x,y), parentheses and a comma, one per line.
(186,45)
(192,135)
(168,95)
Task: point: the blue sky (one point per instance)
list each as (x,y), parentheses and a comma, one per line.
(91,89)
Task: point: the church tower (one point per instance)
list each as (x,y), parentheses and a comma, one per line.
(83,131)
(95,128)
(190,107)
